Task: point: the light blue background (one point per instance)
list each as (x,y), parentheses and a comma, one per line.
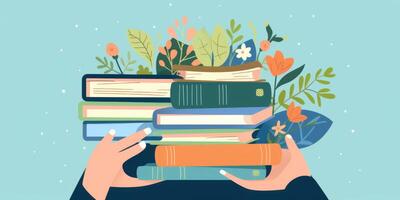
(46,46)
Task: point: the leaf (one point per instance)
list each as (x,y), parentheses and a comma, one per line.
(229,34)
(310,97)
(307,81)
(327,95)
(291,91)
(301,82)
(304,134)
(237,28)
(269,32)
(277,39)
(143,70)
(220,46)
(324,90)
(319,100)
(298,100)
(237,39)
(100,60)
(290,76)
(281,99)
(324,82)
(141,43)
(202,45)
(232,24)
(317,74)
(123,62)
(101,66)
(328,72)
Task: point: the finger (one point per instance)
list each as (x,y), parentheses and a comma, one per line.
(261,185)
(133,139)
(291,144)
(124,180)
(108,137)
(133,151)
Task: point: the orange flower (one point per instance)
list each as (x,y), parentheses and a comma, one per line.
(264,45)
(189,49)
(294,113)
(161,63)
(162,51)
(278,64)
(191,32)
(112,49)
(171,32)
(173,53)
(184,20)
(168,44)
(196,62)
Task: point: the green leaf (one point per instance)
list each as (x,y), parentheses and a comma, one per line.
(324,90)
(123,62)
(310,97)
(101,66)
(141,43)
(301,82)
(319,100)
(307,81)
(328,72)
(327,95)
(281,99)
(290,76)
(220,46)
(202,45)
(232,24)
(111,65)
(229,34)
(277,39)
(237,28)
(100,60)
(324,82)
(317,74)
(291,91)
(298,100)
(237,39)
(269,32)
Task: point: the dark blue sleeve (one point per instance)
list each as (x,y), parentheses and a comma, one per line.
(80,192)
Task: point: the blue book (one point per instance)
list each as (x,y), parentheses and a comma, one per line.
(152,172)
(246,117)
(95,130)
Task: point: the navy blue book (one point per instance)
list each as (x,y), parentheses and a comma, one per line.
(246,117)
(131,88)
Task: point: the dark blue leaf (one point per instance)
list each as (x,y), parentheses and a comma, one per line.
(305,134)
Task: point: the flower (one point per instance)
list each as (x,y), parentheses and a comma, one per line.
(162,50)
(190,34)
(278,128)
(173,53)
(243,52)
(184,20)
(176,23)
(264,45)
(189,49)
(171,32)
(294,113)
(112,49)
(168,44)
(161,63)
(196,62)
(278,64)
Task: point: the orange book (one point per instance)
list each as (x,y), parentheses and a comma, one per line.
(218,155)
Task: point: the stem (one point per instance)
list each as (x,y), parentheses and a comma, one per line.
(116,60)
(258,54)
(305,88)
(273,103)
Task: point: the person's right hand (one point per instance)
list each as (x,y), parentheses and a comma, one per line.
(104,168)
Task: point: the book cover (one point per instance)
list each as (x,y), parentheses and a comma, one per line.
(118,111)
(218,155)
(153,172)
(220,94)
(245,72)
(122,87)
(247,117)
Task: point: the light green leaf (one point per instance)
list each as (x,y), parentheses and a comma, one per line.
(232,24)
(310,97)
(298,100)
(301,83)
(329,72)
(237,39)
(237,28)
(100,60)
(202,45)
(307,81)
(141,43)
(101,66)
(281,99)
(229,34)
(319,100)
(220,46)
(291,91)
(318,73)
(324,82)
(324,90)
(327,95)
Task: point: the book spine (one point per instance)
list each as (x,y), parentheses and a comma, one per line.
(198,173)
(220,94)
(218,155)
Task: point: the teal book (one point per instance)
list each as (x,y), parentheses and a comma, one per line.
(152,172)
(186,94)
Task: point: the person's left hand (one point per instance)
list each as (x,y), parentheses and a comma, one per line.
(104,168)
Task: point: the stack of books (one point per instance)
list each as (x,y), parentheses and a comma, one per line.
(207,122)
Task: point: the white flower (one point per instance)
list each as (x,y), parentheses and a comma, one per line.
(243,52)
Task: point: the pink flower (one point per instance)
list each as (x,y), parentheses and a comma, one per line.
(161,63)
(190,34)
(189,49)
(264,45)
(173,53)
(196,62)
(176,23)
(168,44)
(184,20)
(162,50)
(171,32)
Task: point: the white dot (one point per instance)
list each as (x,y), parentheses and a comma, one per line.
(340,154)
(79,70)
(76,26)
(219,5)
(313,15)
(298,44)
(199,17)
(319,157)
(290,16)
(96,29)
(84,148)
(98,44)
(331,43)
(41,133)
(345,110)
(311,53)
(34,151)
(348,66)
(65,165)
(117,21)
(154,27)
(353,131)
(66,130)
(349,181)
(63,91)
(54,142)
(46,113)
(61,50)
(60,181)
(170,4)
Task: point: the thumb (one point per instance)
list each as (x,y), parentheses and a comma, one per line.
(261,185)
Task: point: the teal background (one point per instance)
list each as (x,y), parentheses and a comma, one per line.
(46,46)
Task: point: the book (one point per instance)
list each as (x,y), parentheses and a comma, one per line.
(247,117)
(118,111)
(153,172)
(245,72)
(220,94)
(218,155)
(122,87)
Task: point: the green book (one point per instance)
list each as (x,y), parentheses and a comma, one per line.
(118,111)
(152,172)
(220,94)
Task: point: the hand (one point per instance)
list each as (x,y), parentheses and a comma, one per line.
(291,166)
(104,168)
